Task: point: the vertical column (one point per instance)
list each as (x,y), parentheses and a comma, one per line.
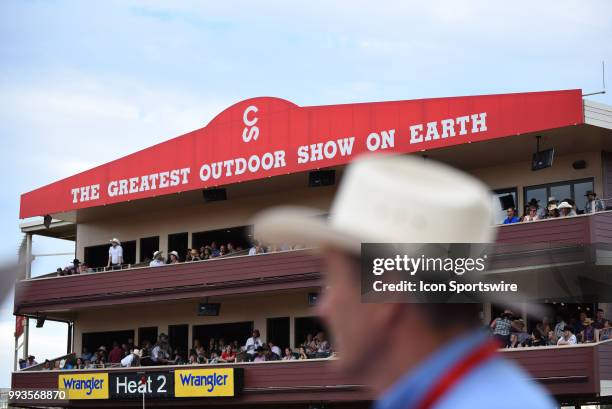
(28,275)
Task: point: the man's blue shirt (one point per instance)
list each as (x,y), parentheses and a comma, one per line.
(486,386)
(510,220)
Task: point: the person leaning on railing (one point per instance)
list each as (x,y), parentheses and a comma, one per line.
(593,204)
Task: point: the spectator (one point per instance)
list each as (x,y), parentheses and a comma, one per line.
(160,355)
(511,216)
(174,258)
(132,359)
(188,255)
(324,348)
(31,361)
(252,344)
(206,253)
(80,364)
(230,248)
(214,250)
(560,327)
(605,333)
(588,331)
(222,250)
(158,259)
(86,355)
(532,214)
(275,349)
(537,340)
(115,355)
(553,211)
(289,356)
(514,341)
(544,326)
(46,365)
(84,268)
(593,204)
(502,326)
(521,332)
(566,209)
(115,254)
(76,266)
(228,354)
(22,363)
(568,337)
(214,358)
(194,255)
(272,356)
(193,359)
(600,319)
(303,354)
(260,354)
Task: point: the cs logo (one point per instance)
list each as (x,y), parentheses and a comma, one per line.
(250,131)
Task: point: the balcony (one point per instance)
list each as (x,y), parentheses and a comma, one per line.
(233,275)
(583,371)
(564,237)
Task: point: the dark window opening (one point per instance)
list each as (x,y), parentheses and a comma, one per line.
(178,242)
(148,246)
(178,337)
(94,340)
(147,334)
(278,331)
(97,256)
(230,332)
(238,236)
(308,325)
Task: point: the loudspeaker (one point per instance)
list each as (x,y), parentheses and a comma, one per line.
(321,178)
(313,298)
(579,164)
(214,195)
(40,321)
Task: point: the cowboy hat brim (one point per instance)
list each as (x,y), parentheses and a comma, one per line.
(301,225)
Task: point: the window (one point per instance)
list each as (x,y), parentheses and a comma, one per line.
(573,190)
(502,200)
(238,236)
(97,256)
(148,246)
(178,242)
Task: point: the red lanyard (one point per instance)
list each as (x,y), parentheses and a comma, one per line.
(450,378)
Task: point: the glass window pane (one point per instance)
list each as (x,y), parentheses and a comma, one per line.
(561,192)
(579,191)
(539,194)
(501,200)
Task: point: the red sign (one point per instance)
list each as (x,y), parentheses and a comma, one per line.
(264,137)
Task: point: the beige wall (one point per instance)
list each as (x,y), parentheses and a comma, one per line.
(520,174)
(192,219)
(233,309)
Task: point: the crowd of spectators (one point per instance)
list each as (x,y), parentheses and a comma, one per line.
(214,352)
(554,209)
(511,331)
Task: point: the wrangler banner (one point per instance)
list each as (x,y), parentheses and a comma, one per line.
(214,382)
(263,137)
(84,386)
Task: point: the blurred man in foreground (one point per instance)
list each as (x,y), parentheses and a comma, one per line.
(428,355)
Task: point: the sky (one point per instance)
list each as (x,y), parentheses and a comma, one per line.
(83,83)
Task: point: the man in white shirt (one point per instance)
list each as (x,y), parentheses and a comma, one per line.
(132,359)
(158,259)
(568,338)
(252,344)
(275,349)
(115,254)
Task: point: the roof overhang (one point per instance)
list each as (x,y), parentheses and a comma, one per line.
(58,229)
(263,137)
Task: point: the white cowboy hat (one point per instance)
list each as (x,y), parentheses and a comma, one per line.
(137,352)
(157,253)
(389,199)
(564,205)
(552,207)
(174,253)
(115,240)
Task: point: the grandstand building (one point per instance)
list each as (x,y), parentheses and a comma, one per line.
(205,186)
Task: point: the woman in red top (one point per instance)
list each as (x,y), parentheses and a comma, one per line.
(228,354)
